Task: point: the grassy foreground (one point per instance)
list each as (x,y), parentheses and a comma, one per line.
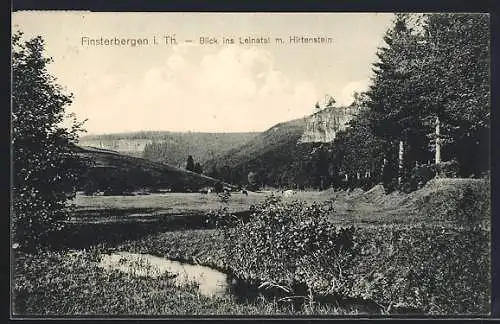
(428,261)
(71,283)
(448,274)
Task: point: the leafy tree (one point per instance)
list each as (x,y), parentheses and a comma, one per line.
(253,180)
(399,98)
(198,168)
(46,169)
(213,172)
(433,72)
(190,163)
(225,173)
(219,187)
(362,151)
(330,102)
(319,161)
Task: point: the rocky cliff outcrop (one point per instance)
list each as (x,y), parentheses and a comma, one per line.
(323,126)
(133,147)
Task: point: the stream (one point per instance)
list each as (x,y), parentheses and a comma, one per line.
(210,282)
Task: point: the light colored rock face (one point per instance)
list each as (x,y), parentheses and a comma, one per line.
(322,127)
(133,147)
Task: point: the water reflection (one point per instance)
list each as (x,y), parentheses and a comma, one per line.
(210,282)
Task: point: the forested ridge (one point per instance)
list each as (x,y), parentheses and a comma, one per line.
(169,147)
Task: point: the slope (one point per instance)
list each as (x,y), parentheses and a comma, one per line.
(280,135)
(274,156)
(117,173)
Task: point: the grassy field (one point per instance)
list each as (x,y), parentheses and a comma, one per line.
(435,204)
(423,251)
(162,204)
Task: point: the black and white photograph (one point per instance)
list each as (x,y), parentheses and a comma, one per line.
(201,164)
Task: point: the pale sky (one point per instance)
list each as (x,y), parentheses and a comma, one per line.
(212,88)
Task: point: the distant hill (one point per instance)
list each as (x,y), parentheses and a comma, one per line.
(117,173)
(274,139)
(169,147)
(289,154)
(274,155)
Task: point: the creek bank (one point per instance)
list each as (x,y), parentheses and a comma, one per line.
(213,282)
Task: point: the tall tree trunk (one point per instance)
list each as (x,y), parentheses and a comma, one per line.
(382,171)
(438,142)
(400,168)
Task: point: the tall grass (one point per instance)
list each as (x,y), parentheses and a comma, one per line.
(427,269)
(72,283)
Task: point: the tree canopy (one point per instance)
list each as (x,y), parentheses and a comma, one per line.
(45,168)
(433,68)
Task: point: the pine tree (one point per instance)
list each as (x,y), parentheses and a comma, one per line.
(395,110)
(190,163)
(455,63)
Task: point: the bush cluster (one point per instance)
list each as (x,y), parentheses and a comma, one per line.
(419,175)
(285,243)
(434,270)
(466,204)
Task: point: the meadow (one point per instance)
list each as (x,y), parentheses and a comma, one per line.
(336,252)
(438,203)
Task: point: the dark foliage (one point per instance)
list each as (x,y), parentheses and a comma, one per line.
(46,170)
(436,270)
(198,168)
(190,163)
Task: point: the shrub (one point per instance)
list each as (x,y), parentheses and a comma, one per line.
(287,243)
(288,246)
(419,175)
(219,187)
(430,269)
(224,197)
(466,202)
(220,218)
(448,169)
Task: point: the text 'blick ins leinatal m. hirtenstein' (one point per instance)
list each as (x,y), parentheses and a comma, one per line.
(203,40)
